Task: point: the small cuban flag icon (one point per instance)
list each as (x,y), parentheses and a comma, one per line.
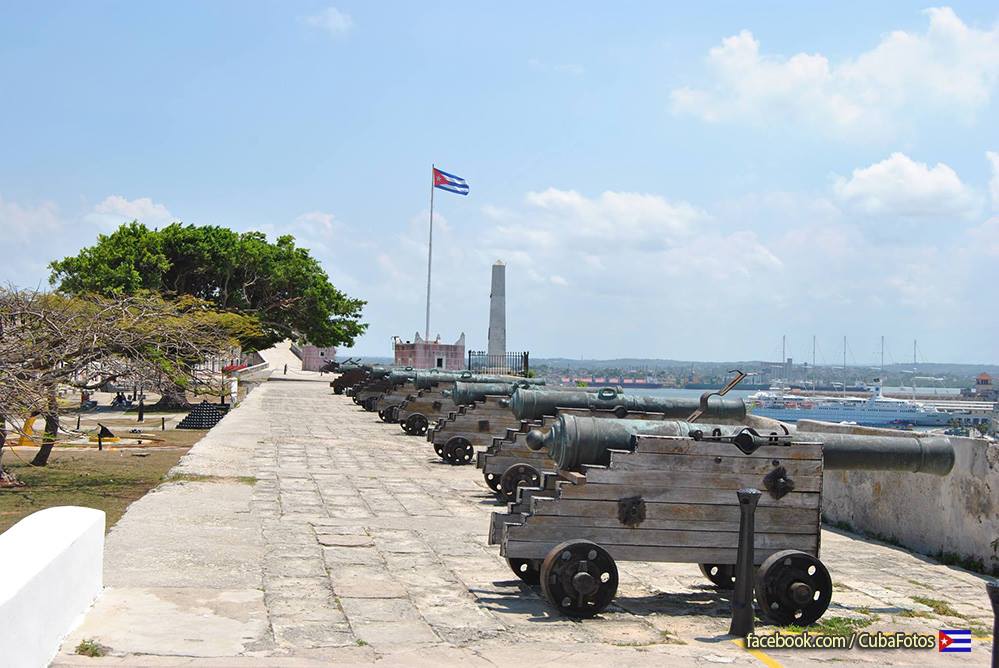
(954,641)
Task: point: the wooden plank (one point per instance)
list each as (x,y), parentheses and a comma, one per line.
(572,477)
(764,526)
(641,461)
(496,522)
(546,504)
(607,536)
(688,555)
(659,494)
(686,446)
(689,479)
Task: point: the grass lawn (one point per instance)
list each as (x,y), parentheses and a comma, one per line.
(107,480)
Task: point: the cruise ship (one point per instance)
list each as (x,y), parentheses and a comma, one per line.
(875,410)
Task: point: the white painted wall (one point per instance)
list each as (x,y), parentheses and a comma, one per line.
(51,566)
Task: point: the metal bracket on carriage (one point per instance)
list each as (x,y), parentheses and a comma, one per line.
(747,439)
(739,375)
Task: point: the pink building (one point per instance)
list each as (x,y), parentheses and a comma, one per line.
(422,354)
(314,358)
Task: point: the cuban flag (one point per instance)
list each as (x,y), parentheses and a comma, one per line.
(450,182)
(954,641)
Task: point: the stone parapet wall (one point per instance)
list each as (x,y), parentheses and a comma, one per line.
(955,517)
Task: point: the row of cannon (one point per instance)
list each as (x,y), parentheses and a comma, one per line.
(595,476)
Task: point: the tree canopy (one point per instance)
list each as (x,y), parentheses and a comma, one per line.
(278,284)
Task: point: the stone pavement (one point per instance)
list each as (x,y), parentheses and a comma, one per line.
(305,531)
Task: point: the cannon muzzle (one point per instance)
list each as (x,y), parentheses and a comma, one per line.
(574,441)
(532,404)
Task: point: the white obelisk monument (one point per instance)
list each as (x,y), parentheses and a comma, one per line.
(497,311)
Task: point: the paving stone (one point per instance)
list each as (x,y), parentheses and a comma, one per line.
(406,633)
(334,540)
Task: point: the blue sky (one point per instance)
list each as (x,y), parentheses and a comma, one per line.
(663,181)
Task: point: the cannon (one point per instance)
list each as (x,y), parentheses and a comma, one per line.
(426,380)
(531,404)
(349,376)
(625,490)
(430,403)
(499,460)
(368,396)
(483,412)
(509,463)
(373,374)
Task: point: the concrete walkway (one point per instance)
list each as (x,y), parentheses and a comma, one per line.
(306,531)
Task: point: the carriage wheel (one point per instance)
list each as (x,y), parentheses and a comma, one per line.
(369,404)
(418,424)
(386,414)
(721,575)
(528,570)
(579,578)
(793,587)
(492,481)
(458,450)
(517,476)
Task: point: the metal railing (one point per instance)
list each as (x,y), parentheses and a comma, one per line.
(517,364)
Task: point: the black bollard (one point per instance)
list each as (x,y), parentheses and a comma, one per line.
(142,411)
(992,587)
(78,422)
(286,369)
(162,424)
(743,620)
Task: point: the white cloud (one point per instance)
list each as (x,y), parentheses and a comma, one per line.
(951,68)
(26,223)
(994,181)
(315,219)
(900,186)
(115,210)
(558,280)
(986,238)
(331,20)
(638,220)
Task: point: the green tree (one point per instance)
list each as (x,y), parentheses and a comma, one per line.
(278,284)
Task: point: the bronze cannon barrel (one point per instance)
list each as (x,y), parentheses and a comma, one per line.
(847,452)
(532,404)
(574,441)
(424,380)
(467,393)
(400,376)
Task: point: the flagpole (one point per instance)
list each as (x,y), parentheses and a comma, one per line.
(430,248)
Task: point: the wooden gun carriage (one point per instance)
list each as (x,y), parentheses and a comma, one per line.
(626,490)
